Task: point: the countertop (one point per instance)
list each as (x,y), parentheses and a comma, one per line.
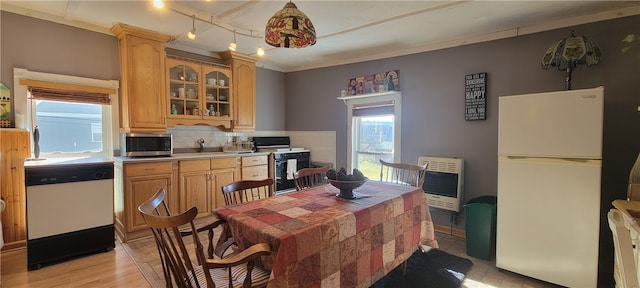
(186,156)
(88,160)
(30,163)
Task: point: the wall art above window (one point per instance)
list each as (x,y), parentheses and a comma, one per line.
(374,83)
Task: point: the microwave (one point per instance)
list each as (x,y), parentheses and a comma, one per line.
(146,144)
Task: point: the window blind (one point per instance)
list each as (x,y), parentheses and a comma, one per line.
(373,109)
(43,90)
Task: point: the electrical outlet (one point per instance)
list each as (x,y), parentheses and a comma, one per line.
(454,218)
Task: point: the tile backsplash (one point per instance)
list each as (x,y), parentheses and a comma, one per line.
(322,144)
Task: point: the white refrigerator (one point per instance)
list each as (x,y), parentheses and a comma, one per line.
(549,171)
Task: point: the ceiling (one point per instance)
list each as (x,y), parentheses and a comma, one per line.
(347,31)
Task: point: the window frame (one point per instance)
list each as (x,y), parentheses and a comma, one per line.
(24,107)
(373,99)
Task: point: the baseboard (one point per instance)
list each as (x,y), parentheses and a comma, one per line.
(14,245)
(449,230)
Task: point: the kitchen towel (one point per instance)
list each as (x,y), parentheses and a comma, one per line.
(292,167)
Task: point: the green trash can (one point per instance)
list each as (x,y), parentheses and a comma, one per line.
(480,226)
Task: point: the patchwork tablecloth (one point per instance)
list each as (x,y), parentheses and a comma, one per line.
(320,240)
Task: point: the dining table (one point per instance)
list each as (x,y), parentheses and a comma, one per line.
(320,240)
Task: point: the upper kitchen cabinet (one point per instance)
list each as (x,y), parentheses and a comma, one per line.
(199,93)
(142,63)
(243,94)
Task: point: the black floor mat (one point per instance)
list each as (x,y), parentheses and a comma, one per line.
(433,269)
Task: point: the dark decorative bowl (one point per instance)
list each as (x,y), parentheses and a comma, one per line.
(346,187)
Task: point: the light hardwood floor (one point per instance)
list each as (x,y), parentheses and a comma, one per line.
(117,269)
(108,269)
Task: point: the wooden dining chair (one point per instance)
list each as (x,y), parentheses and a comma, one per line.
(310,177)
(402,173)
(237,270)
(247,190)
(626,252)
(405,174)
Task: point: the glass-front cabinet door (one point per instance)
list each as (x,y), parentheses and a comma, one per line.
(199,93)
(184,89)
(217,91)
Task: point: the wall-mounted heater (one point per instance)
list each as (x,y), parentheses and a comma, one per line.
(443,182)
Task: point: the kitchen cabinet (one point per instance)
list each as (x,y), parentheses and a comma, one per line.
(142,94)
(255,167)
(139,182)
(195,89)
(14,149)
(223,171)
(189,182)
(201,183)
(195,186)
(243,69)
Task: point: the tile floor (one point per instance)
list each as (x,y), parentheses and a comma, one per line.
(483,273)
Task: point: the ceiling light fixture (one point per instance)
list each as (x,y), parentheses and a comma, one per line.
(233,46)
(158,3)
(570,51)
(259,51)
(192,34)
(290,28)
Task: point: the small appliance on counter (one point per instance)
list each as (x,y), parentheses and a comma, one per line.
(146,144)
(238,147)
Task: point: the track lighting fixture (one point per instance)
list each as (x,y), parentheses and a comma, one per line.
(192,34)
(233,46)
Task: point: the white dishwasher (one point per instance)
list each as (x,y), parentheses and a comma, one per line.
(69,212)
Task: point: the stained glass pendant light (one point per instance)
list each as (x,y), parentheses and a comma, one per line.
(290,28)
(570,51)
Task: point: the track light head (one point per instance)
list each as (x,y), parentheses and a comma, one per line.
(233,46)
(192,34)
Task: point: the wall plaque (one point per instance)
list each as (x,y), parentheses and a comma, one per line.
(475,96)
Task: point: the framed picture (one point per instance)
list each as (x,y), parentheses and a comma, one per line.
(5,106)
(475,96)
(373,83)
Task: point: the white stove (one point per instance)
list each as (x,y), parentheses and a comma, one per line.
(281,150)
(287,159)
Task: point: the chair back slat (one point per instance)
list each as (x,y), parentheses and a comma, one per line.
(247,190)
(310,177)
(402,173)
(175,258)
(193,270)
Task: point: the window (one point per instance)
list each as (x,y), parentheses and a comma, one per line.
(68,127)
(74,115)
(374,129)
